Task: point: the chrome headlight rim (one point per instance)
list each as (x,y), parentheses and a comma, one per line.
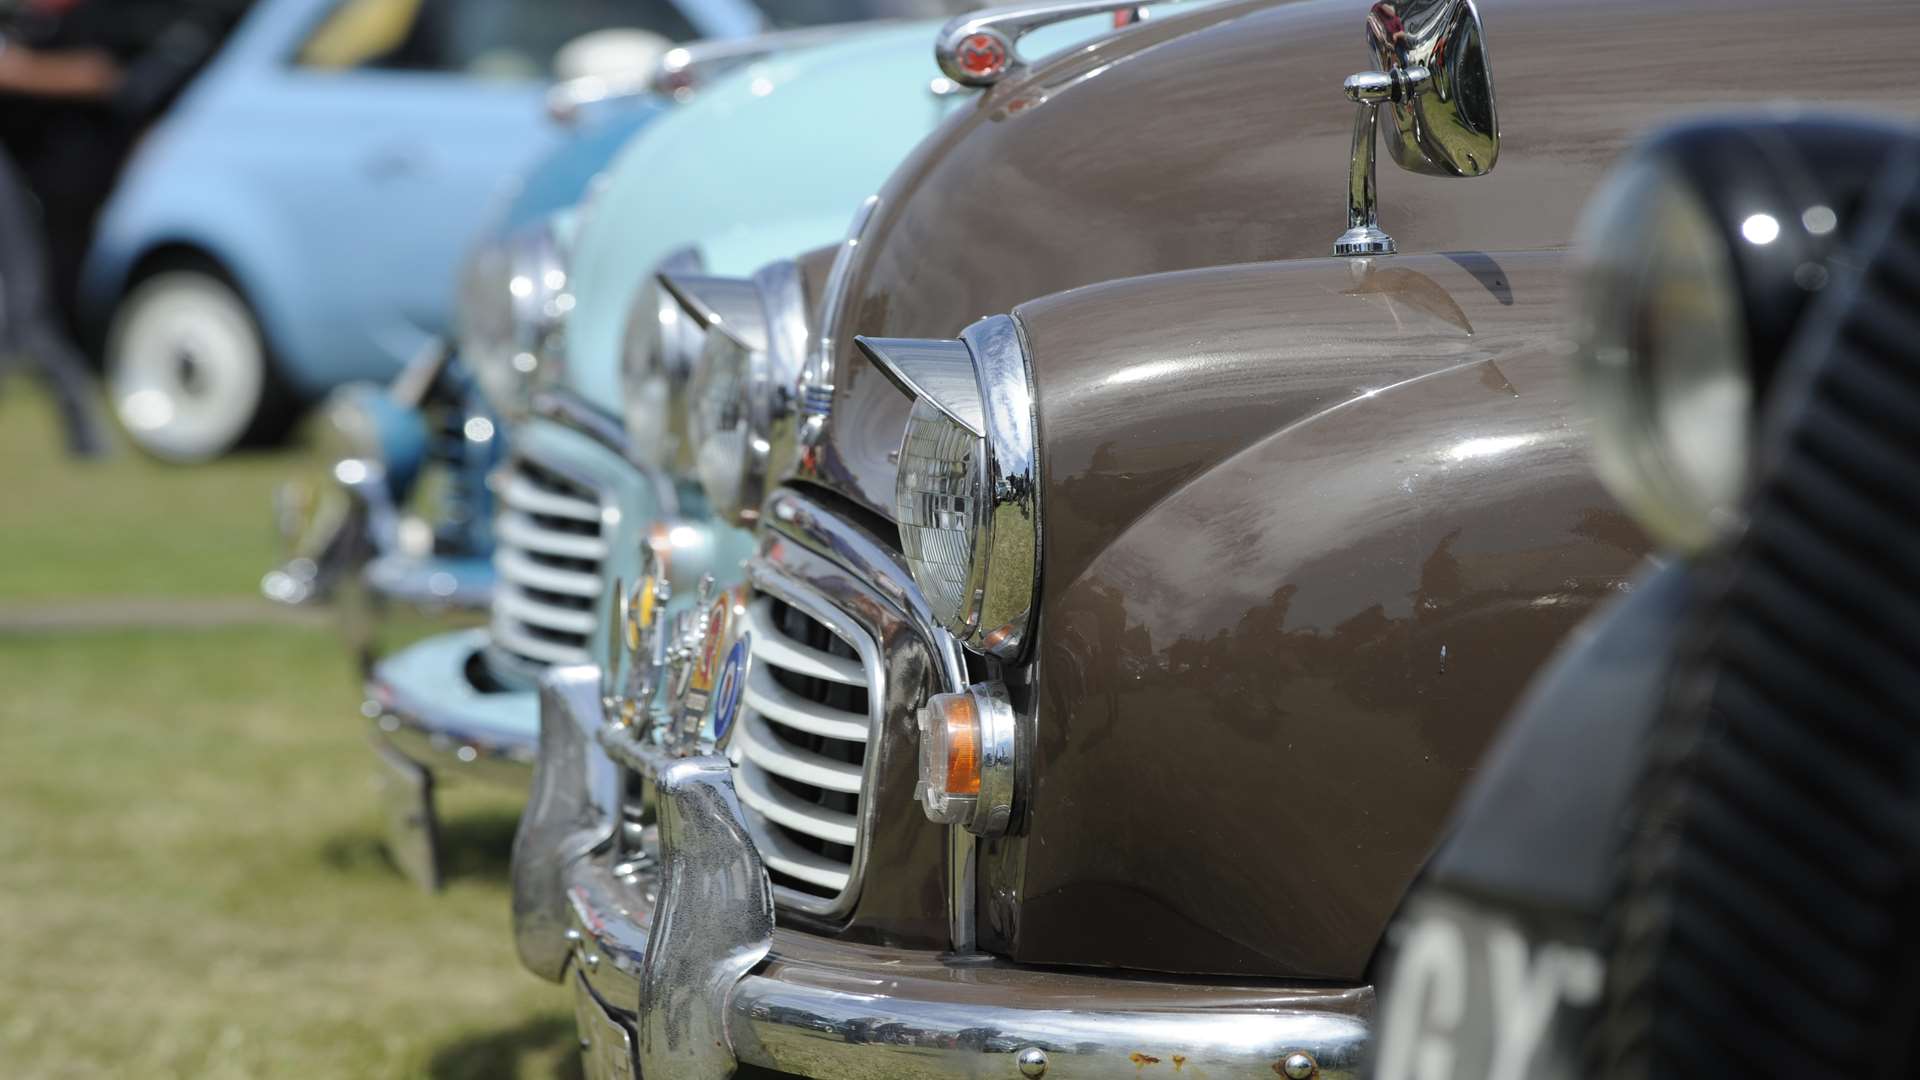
(980,384)
(1658,239)
(515,297)
(1773,198)
(760,325)
(660,347)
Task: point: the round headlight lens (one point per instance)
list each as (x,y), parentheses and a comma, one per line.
(1663,355)
(936,496)
(966,495)
(719,424)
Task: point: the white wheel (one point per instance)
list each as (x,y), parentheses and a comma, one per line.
(186,366)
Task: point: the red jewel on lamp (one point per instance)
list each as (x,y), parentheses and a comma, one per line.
(982,55)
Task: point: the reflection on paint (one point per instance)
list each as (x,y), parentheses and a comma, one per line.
(1488,446)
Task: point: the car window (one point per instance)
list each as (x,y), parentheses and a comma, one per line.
(789,14)
(490,38)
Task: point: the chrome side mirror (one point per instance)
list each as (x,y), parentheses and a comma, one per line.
(1437,89)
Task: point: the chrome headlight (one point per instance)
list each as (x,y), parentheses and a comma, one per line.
(1697,259)
(967,493)
(514,300)
(740,397)
(657,358)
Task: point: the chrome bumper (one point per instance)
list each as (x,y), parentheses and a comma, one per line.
(679,969)
(429,724)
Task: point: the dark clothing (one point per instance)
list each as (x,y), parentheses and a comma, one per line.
(30,331)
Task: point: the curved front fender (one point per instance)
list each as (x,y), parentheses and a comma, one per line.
(1278,627)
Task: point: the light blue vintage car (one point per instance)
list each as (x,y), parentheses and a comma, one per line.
(772,158)
(295,221)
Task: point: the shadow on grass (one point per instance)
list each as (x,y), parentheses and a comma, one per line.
(475,844)
(499,1055)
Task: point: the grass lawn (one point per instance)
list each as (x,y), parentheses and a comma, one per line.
(192,879)
(128,526)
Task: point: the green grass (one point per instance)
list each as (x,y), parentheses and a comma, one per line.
(192,876)
(129,526)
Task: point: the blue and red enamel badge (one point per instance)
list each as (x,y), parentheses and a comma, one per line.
(727,688)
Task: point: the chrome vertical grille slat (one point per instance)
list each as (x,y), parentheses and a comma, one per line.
(799,746)
(550,546)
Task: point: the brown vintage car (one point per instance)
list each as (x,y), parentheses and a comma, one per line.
(1182,591)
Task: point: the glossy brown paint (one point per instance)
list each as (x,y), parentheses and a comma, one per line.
(1220,135)
(1245,736)
(1285,606)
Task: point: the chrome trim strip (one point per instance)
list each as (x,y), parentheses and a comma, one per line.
(806,522)
(568,408)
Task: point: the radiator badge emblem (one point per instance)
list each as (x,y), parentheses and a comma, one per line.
(726,694)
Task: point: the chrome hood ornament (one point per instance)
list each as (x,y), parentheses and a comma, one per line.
(982,48)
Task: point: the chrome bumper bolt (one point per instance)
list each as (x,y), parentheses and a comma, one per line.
(1033,1063)
(1298,1067)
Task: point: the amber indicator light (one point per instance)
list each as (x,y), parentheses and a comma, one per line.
(963,744)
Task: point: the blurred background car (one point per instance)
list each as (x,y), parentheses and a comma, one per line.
(295,221)
(554,319)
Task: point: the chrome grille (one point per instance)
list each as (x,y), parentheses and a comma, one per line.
(800,745)
(549,547)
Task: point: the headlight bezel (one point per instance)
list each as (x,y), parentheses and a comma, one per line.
(982,384)
(1777,195)
(660,345)
(515,297)
(759,324)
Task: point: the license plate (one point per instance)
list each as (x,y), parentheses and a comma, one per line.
(413,829)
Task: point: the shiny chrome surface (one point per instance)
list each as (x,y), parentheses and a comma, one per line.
(936,1022)
(816,376)
(657,355)
(765,320)
(512,306)
(1364,235)
(606,1046)
(786,740)
(982,48)
(715,908)
(984,384)
(1438,92)
(805,1005)
(1441,118)
(999,763)
(572,810)
(568,409)
(551,543)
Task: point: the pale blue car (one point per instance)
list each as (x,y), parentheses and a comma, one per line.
(773,159)
(295,221)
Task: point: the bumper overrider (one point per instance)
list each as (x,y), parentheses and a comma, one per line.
(432,723)
(679,968)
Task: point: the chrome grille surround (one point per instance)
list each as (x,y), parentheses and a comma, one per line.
(800,753)
(551,545)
